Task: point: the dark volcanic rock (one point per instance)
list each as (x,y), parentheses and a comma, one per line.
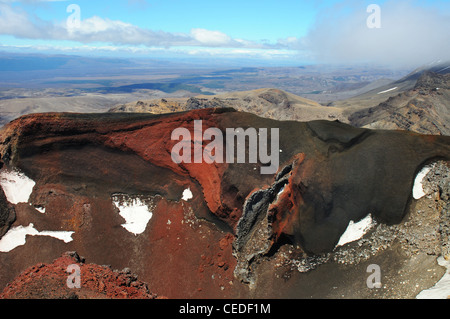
(429,81)
(7,214)
(329,174)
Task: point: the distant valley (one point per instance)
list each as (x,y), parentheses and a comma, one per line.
(364,96)
(418,102)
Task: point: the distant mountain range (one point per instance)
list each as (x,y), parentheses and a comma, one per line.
(418,102)
(269,103)
(372,97)
(424,109)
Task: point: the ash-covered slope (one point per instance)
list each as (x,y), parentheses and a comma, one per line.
(424,109)
(106,186)
(269,103)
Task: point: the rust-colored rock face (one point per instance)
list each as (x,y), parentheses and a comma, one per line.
(108,183)
(57,281)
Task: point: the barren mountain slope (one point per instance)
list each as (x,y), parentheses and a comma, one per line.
(424,109)
(268,103)
(419,102)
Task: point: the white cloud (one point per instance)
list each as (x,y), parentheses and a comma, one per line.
(97,24)
(211,38)
(18,23)
(105,35)
(409,34)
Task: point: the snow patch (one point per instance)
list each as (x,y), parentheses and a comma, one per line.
(40,209)
(136,214)
(418,192)
(356,231)
(442,288)
(382,92)
(16,185)
(16,237)
(187,195)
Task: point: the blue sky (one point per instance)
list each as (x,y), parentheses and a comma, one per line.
(251,19)
(295,30)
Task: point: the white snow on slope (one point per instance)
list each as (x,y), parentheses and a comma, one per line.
(16,237)
(136,214)
(418,192)
(382,92)
(40,209)
(442,288)
(16,185)
(187,195)
(356,231)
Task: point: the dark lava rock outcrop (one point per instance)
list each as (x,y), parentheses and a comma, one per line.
(208,227)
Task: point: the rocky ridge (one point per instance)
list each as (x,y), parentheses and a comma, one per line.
(423,109)
(50,281)
(268,103)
